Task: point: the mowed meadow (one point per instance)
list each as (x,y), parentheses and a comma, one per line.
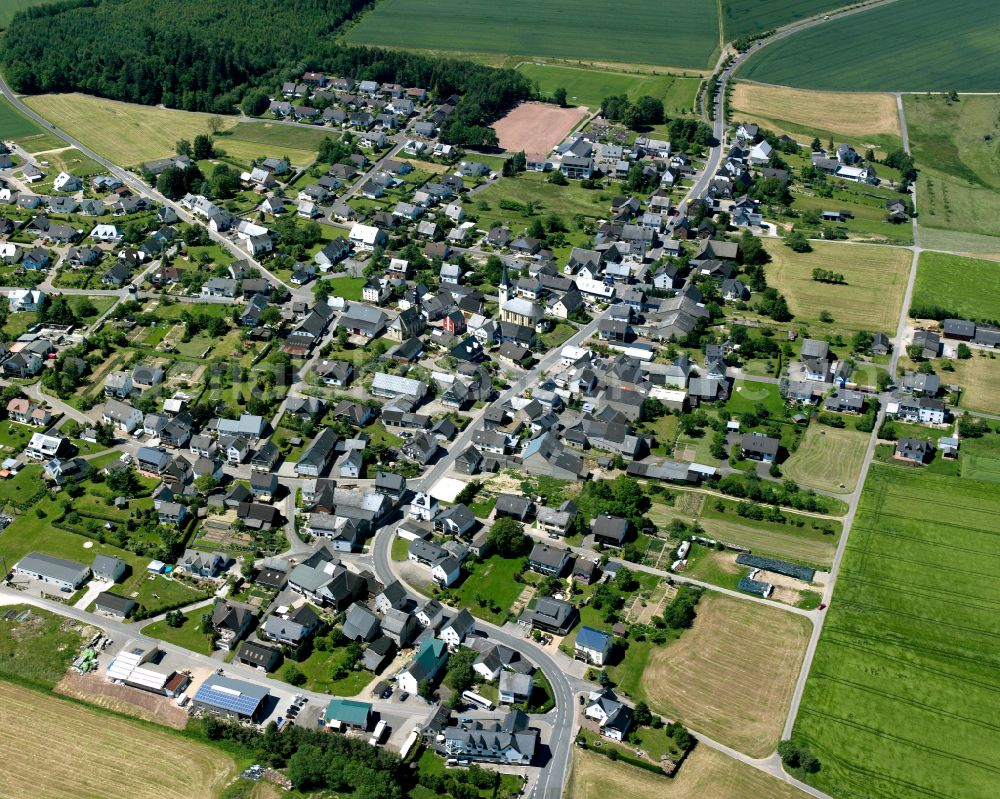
(675,33)
(907,45)
(902,695)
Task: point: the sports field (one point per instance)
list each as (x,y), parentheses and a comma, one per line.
(536,127)
(61,749)
(806,544)
(742,17)
(860,117)
(705,774)
(935,47)
(129,134)
(875,283)
(680,33)
(901,698)
(958,186)
(755,652)
(828,458)
(589,87)
(968,288)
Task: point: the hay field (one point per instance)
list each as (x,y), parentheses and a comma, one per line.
(91,755)
(705,774)
(828,458)
(871,300)
(860,117)
(968,288)
(730,676)
(980,377)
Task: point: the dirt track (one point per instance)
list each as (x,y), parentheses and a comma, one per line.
(536,127)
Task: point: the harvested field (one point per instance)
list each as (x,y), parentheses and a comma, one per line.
(536,127)
(752,650)
(828,459)
(862,117)
(705,774)
(87,752)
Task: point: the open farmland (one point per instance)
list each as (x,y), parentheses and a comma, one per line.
(87,752)
(934,47)
(901,695)
(828,458)
(979,377)
(806,544)
(981,459)
(875,283)
(706,774)
(679,33)
(743,17)
(968,288)
(752,650)
(861,118)
(955,147)
(589,87)
(250,140)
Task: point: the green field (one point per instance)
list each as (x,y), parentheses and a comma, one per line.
(490,590)
(742,17)
(934,47)
(589,87)
(39,649)
(679,33)
(8,8)
(347,287)
(958,186)
(980,459)
(13,124)
(250,140)
(901,695)
(189,635)
(875,283)
(968,288)
(828,459)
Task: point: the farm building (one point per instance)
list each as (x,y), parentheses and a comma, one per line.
(64,574)
(235,699)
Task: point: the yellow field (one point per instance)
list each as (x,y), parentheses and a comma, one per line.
(871,300)
(860,116)
(980,377)
(706,774)
(828,459)
(730,676)
(130,134)
(53,749)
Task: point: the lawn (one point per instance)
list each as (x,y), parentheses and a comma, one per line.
(250,140)
(705,774)
(980,459)
(74,162)
(125,133)
(875,283)
(159,765)
(347,287)
(964,38)
(589,87)
(863,118)
(828,459)
(25,487)
(318,667)
(13,437)
(743,17)
(491,585)
(39,649)
(189,635)
(954,145)
(899,701)
(967,288)
(748,394)
(591,31)
(752,650)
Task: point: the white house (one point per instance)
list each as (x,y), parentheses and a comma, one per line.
(43,447)
(367,237)
(455,631)
(108,233)
(25,300)
(66,182)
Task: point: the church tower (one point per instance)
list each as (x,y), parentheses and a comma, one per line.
(504,286)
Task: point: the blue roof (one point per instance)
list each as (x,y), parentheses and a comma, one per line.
(589,638)
(229,694)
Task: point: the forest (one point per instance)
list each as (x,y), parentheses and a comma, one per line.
(207,55)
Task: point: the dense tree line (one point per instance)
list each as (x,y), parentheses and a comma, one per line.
(214,54)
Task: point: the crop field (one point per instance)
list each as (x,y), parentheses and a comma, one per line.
(828,459)
(968,288)
(901,696)
(981,459)
(680,33)
(954,144)
(850,53)
(863,118)
(13,124)
(589,87)
(742,17)
(875,283)
(157,765)
(752,650)
(806,544)
(979,376)
(706,774)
